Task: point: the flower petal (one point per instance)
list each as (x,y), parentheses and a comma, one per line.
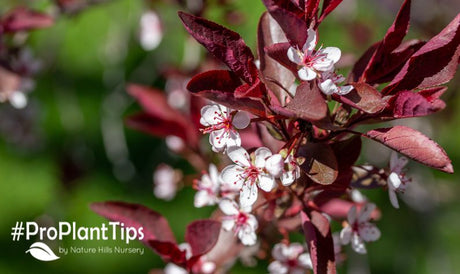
(248,195)
(208,114)
(228,207)
(233,176)
(228,224)
(266,182)
(344,90)
(239,156)
(288,177)
(352,215)
(247,236)
(310,44)
(261,154)
(357,244)
(345,235)
(332,53)
(293,55)
(328,87)
(277,267)
(275,165)
(393,198)
(306,74)
(369,232)
(365,213)
(305,261)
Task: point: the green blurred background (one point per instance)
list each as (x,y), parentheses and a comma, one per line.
(57,155)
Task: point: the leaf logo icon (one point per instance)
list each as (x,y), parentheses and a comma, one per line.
(42,252)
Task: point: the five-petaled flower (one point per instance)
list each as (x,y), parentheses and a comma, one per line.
(313,62)
(289,259)
(396,180)
(358,229)
(222,123)
(208,188)
(240,221)
(248,172)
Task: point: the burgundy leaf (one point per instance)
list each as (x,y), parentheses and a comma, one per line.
(159,127)
(224,44)
(256,90)
(320,162)
(433,64)
(155,226)
(202,235)
(311,11)
(169,252)
(22,19)
(275,76)
(360,66)
(293,27)
(220,80)
(409,104)
(308,103)
(364,97)
(278,52)
(328,7)
(414,145)
(347,151)
(319,240)
(160,118)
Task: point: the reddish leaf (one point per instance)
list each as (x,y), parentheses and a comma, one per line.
(22,19)
(364,97)
(414,145)
(336,208)
(202,235)
(308,103)
(409,104)
(256,90)
(293,27)
(360,66)
(320,162)
(311,11)
(169,252)
(347,151)
(328,7)
(395,34)
(278,52)
(275,75)
(219,80)
(433,64)
(159,127)
(224,44)
(155,226)
(160,118)
(319,240)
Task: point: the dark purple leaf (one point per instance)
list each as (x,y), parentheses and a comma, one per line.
(319,240)
(293,26)
(308,103)
(320,162)
(224,44)
(202,235)
(347,151)
(364,97)
(360,66)
(328,7)
(219,80)
(23,19)
(278,52)
(275,76)
(311,11)
(414,145)
(433,64)
(256,90)
(155,226)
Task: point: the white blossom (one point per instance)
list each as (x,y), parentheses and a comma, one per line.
(358,229)
(396,181)
(248,173)
(289,259)
(312,62)
(150,33)
(328,84)
(208,188)
(166,180)
(240,221)
(222,123)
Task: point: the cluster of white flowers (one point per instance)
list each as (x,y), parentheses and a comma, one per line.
(242,179)
(319,64)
